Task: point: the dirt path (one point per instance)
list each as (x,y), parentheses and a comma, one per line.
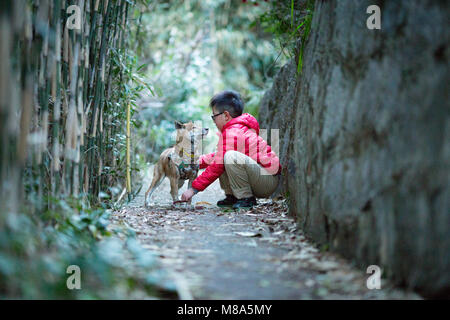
(258,254)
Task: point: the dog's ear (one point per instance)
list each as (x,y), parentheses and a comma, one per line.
(178,124)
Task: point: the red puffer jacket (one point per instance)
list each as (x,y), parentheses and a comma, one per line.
(239,134)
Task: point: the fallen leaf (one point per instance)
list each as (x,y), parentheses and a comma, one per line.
(203,202)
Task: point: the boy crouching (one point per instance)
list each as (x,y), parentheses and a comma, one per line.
(245,164)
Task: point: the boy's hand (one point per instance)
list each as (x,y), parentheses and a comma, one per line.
(187,195)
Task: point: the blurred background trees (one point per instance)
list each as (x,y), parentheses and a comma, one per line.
(192,50)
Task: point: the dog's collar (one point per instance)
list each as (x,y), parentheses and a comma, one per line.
(184,169)
(182,165)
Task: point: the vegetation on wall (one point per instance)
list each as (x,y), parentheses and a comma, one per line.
(290,23)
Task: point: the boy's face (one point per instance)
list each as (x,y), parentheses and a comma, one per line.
(221,119)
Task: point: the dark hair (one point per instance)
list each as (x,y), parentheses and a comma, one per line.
(228,100)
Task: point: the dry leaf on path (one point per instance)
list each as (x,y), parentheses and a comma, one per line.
(203,202)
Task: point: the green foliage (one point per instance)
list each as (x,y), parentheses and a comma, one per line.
(36,251)
(127,81)
(288,29)
(306,24)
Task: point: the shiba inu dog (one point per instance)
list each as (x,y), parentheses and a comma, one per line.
(180,162)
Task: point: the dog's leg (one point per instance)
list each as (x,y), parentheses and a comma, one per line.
(191,179)
(158,177)
(190,183)
(174,188)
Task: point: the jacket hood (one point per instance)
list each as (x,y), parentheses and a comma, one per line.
(245,119)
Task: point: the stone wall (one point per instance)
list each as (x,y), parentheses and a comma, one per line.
(365,137)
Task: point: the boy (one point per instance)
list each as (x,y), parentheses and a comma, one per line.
(244,163)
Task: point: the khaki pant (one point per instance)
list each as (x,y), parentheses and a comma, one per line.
(244,177)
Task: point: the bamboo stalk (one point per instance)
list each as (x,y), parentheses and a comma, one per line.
(128,149)
(57,94)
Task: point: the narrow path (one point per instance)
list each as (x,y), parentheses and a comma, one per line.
(258,254)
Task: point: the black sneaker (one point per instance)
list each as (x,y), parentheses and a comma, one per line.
(228,201)
(245,203)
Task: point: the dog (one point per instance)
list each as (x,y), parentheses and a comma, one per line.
(180,162)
